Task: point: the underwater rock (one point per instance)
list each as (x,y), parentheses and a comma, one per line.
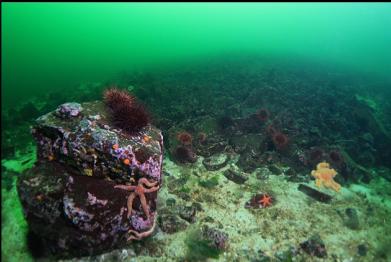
(40,191)
(79,215)
(69,110)
(225,123)
(215,162)
(248,161)
(352,220)
(171,223)
(216,238)
(249,142)
(362,250)
(93,188)
(314,246)
(188,213)
(185,154)
(276,170)
(235,176)
(170,202)
(92,147)
(213,145)
(315,194)
(363,114)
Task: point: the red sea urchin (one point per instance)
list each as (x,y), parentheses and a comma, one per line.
(280,140)
(185,138)
(114,97)
(126,112)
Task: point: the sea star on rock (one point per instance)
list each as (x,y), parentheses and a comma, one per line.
(325,176)
(139,191)
(140,235)
(265,201)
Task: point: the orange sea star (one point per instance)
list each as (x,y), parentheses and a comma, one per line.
(266,200)
(324,175)
(139,191)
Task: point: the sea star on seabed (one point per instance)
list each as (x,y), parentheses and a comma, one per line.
(265,201)
(139,190)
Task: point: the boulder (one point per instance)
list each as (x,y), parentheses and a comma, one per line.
(94,188)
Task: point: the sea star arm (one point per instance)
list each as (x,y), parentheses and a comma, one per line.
(145,182)
(334,185)
(130,203)
(318,182)
(144,204)
(138,235)
(149,190)
(125,187)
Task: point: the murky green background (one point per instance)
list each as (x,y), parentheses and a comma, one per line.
(200,67)
(58,45)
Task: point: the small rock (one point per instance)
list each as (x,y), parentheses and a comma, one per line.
(170,202)
(352,221)
(198,206)
(315,194)
(275,169)
(235,176)
(170,223)
(188,213)
(208,219)
(314,246)
(217,238)
(362,250)
(215,162)
(68,110)
(183,195)
(185,154)
(290,172)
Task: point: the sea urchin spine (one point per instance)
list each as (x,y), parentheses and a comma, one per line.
(126,112)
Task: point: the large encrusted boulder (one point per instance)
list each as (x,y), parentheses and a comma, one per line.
(93,187)
(81,137)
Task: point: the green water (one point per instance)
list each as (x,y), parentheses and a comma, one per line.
(320,71)
(58,45)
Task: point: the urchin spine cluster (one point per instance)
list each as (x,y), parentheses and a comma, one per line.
(126,112)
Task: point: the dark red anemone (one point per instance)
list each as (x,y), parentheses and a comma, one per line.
(280,140)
